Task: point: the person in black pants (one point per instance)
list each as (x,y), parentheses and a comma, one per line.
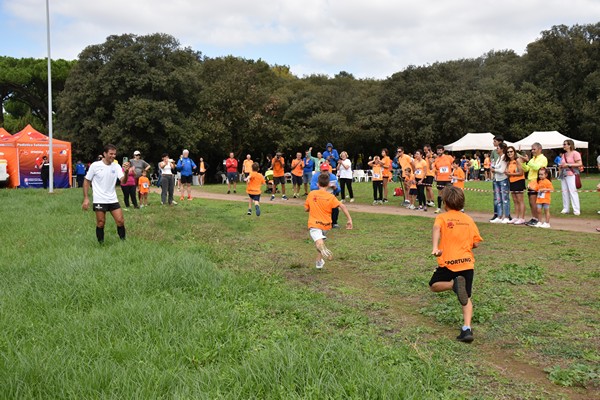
(45,172)
(128,185)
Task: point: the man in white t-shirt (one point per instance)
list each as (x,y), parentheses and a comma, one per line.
(102,176)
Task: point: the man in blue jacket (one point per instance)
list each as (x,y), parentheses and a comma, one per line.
(334,188)
(186,166)
(80,172)
(332,156)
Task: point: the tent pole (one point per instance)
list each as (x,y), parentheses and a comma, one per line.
(50,149)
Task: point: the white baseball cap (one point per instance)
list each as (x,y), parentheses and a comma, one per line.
(136,153)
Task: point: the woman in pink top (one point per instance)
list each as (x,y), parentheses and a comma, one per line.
(568,168)
(129,186)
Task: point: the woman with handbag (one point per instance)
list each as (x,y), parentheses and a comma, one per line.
(569,175)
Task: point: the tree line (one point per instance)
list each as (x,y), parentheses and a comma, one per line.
(149,93)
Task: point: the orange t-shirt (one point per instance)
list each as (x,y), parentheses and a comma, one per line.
(278,167)
(443,168)
(420,169)
(387,162)
(458,173)
(404,162)
(255,180)
(512,168)
(144,184)
(487,163)
(458,233)
(247,168)
(377,172)
(319,204)
(430,171)
(202,167)
(544,197)
(410,181)
(297,167)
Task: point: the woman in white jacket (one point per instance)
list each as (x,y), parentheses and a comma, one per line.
(501,186)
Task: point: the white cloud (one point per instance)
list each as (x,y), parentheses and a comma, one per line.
(368,39)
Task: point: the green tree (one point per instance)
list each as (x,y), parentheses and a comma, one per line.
(24,88)
(138,92)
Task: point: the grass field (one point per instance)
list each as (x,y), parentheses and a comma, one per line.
(202,301)
(479,196)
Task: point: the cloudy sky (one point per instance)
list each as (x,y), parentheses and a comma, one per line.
(369,38)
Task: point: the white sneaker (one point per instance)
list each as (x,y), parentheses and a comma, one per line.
(320,264)
(545,225)
(439,210)
(576,213)
(432,204)
(538,225)
(505,221)
(495,220)
(411,207)
(564,211)
(375,202)
(351,200)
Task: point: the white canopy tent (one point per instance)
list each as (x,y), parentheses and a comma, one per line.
(548,140)
(474,141)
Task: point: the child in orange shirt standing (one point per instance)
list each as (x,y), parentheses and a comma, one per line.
(297,171)
(377,169)
(544,189)
(319,204)
(454,237)
(144,188)
(458,176)
(410,183)
(253,187)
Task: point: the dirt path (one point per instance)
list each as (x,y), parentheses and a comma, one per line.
(565,224)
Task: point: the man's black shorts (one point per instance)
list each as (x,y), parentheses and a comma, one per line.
(443,274)
(296,180)
(279,180)
(106,207)
(186,179)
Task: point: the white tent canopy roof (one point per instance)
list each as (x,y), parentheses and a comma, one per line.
(474,141)
(548,140)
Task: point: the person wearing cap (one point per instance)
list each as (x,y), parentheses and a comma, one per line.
(186,166)
(332,156)
(334,188)
(139,165)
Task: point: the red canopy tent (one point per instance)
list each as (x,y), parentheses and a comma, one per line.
(24,151)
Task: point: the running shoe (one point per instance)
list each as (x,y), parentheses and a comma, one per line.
(465,336)
(320,264)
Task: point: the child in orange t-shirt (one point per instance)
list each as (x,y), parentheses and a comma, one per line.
(458,175)
(144,188)
(254,181)
(297,171)
(544,189)
(454,237)
(319,204)
(410,183)
(377,178)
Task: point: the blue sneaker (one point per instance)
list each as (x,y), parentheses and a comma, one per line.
(257,208)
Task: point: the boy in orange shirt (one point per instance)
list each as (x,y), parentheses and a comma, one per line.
(144,188)
(253,187)
(454,237)
(410,183)
(458,175)
(319,204)
(544,189)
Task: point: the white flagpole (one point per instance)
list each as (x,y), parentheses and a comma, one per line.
(50,149)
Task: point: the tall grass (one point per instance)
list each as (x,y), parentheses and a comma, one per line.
(162,316)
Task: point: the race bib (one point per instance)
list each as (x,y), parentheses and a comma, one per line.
(453,180)
(145,185)
(444,170)
(376,175)
(541,195)
(418,171)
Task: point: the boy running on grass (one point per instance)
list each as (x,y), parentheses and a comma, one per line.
(254,182)
(455,235)
(319,204)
